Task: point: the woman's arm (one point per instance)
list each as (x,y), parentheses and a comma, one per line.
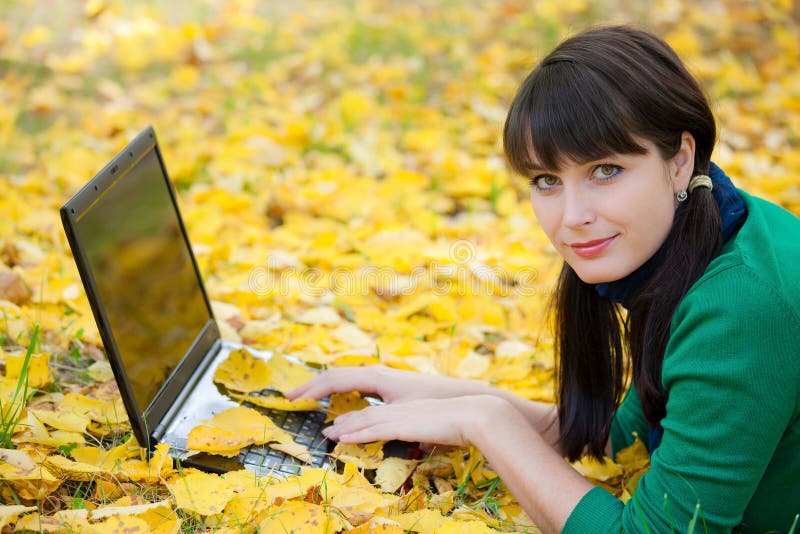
(394,385)
(545,485)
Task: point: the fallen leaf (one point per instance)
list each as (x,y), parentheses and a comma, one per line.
(241,371)
(301,517)
(9,513)
(13,288)
(101,371)
(38,371)
(287,375)
(67,469)
(201,493)
(365,455)
(323,315)
(228,431)
(274,402)
(342,403)
(393,472)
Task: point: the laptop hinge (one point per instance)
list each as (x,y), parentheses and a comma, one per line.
(186,390)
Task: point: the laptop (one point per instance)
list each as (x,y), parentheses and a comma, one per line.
(153,314)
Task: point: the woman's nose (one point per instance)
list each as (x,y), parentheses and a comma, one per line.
(577,208)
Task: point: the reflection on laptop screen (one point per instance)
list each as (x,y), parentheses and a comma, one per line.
(144,275)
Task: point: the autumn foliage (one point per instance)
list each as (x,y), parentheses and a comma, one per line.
(341,177)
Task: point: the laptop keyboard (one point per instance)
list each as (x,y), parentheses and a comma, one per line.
(305,428)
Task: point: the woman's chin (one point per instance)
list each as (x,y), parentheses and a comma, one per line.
(596,276)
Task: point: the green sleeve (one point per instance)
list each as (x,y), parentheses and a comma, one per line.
(628,420)
(732,378)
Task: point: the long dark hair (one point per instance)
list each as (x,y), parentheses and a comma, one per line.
(591,97)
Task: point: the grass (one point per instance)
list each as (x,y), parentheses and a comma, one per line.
(12,411)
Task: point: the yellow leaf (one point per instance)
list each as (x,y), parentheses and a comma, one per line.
(421,520)
(393,472)
(273,402)
(444,501)
(36,36)
(342,403)
(100,371)
(104,459)
(513,514)
(287,375)
(61,521)
(378,525)
(93,8)
(152,471)
(33,487)
(105,412)
(354,360)
(9,513)
(30,427)
(201,493)
(63,419)
(301,517)
(323,315)
(234,428)
(365,455)
(216,441)
(119,525)
(633,457)
(162,520)
(243,508)
(66,469)
(359,504)
(464,527)
(38,371)
(242,371)
(16,462)
(56,439)
(325,481)
(159,516)
(105,490)
(300,452)
(600,471)
(473,365)
(126,509)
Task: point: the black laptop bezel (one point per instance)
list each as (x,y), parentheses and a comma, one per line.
(143,422)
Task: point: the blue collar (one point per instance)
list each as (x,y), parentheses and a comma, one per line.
(733,212)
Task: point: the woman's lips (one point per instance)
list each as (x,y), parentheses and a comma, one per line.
(592,248)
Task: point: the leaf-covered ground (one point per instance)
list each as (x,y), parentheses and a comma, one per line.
(340,173)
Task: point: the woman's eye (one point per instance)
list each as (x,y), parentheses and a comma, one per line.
(544,182)
(606,171)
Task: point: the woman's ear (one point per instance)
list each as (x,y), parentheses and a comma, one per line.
(682,163)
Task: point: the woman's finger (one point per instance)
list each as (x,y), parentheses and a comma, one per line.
(379,432)
(341,380)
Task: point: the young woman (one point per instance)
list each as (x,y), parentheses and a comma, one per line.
(616,138)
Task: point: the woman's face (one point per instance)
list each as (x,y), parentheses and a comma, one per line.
(608,217)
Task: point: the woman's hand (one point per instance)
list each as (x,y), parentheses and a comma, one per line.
(391,385)
(455,421)
(394,385)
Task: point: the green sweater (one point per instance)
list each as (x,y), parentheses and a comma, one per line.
(732,371)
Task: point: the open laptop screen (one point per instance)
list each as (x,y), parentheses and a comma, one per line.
(144,275)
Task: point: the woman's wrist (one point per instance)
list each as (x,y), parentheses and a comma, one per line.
(484,415)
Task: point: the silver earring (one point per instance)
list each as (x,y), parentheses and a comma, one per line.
(682,195)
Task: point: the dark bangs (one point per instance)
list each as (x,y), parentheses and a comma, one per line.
(566,112)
